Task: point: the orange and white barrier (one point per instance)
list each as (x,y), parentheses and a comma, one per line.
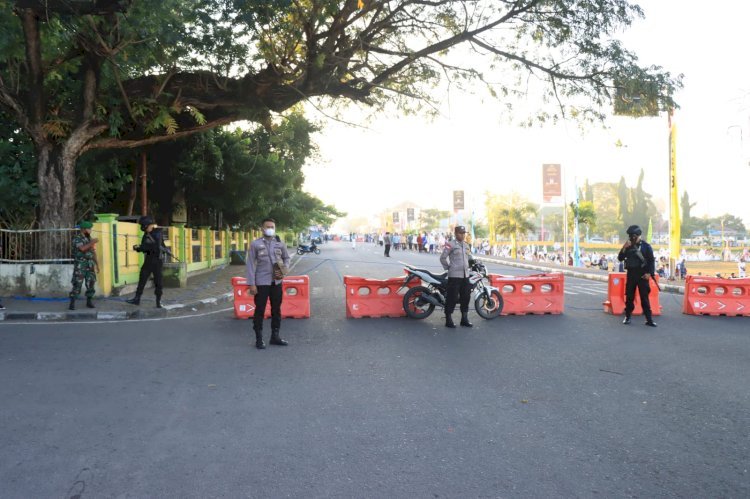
(295,303)
(375,297)
(615,303)
(531,294)
(716,296)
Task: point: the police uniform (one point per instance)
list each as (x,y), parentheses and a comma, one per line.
(264,255)
(640,266)
(84,268)
(455,259)
(152,247)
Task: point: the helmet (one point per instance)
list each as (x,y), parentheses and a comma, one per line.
(145,221)
(634,229)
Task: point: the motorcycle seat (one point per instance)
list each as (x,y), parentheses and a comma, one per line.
(438,277)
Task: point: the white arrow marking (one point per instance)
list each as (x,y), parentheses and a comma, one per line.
(722,305)
(700,305)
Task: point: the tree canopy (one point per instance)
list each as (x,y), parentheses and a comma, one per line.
(80,75)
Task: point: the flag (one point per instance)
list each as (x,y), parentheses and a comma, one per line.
(674,205)
(472,227)
(650,232)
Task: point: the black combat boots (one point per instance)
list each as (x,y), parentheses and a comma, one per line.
(89,303)
(449,321)
(136,300)
(158,302)
(72,305)
(276,339)
(465,321)
(259,339)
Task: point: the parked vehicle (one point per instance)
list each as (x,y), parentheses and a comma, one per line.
(420,301)
(308,248)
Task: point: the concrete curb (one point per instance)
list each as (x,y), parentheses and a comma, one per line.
(137,312)
(669,288)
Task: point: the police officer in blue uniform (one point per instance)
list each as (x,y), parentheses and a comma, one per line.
(640,264)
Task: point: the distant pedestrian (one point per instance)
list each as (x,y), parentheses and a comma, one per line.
(354,242)
(85,266)
(387,242)
(741,268)
(267,264)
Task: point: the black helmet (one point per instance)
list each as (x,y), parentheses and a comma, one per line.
(634,229)
(145,221)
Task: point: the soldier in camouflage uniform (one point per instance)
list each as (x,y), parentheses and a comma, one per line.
(85,267)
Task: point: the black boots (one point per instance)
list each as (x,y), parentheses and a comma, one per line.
(158,302)
(626,320)
(259,339)
(72,305)
(449,321)
(276,339)
(136,300)
(465,320)
(89,303)
(650,322)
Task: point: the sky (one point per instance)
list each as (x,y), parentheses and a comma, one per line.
(473,147)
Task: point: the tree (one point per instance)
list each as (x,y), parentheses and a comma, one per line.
(687,222)
(515,221)
(430,218)
(586,215)
(108,74)
(623,202)
(18,189)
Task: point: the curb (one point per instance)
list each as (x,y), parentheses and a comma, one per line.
(669,288)
(171,310)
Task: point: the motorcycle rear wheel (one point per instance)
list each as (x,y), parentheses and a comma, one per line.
(317,251)
(489,308)
(300,252)
(414,306)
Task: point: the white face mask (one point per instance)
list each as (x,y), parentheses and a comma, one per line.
(270,232)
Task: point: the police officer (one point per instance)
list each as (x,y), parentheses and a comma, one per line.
(267,263)
(152,246)
(455,259)
(639,260)
(85,266)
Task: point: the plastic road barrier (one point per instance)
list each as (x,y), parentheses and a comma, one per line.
(375,297)
(531,294)
(295,304)
(615,303)
(716,296)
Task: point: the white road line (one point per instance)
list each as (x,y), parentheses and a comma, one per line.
(105,322)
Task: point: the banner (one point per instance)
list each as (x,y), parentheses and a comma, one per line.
(410,214)
(458,200)
(551,182)
(395,217)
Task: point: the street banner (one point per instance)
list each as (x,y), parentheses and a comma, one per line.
(410,214)
(458,200)
(395,217)
(551,182)
(674,205)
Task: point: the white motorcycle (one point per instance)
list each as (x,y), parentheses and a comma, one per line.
(420,301)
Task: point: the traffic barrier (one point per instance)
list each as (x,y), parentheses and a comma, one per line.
(615,303)
(531,294)
(375,297)
(294,305)
(716,296)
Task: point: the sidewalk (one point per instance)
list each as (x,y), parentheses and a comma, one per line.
(593,274)
(204,290)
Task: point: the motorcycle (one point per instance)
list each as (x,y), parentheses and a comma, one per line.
(420,301)
(308,248)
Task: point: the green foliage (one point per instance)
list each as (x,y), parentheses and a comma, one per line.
(430,218)
(18,187)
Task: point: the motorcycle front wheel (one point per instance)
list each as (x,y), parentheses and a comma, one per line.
(317,251)
(415,306)
(489,307)
(300,252)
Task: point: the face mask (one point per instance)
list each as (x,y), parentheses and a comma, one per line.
(269,232)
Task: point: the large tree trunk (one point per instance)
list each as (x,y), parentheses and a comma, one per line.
(56,175)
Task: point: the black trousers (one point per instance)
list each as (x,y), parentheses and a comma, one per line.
(458,287)
(151,266)
(637,280)
(387,250)
(274,292)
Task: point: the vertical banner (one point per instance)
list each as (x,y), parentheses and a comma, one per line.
(395,217)
(576,246)
(674,205)
(458,200)
(551,182)
(410,214)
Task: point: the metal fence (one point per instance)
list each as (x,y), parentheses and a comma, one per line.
(37,246)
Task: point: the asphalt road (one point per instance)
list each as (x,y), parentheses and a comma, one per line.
(574,405)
